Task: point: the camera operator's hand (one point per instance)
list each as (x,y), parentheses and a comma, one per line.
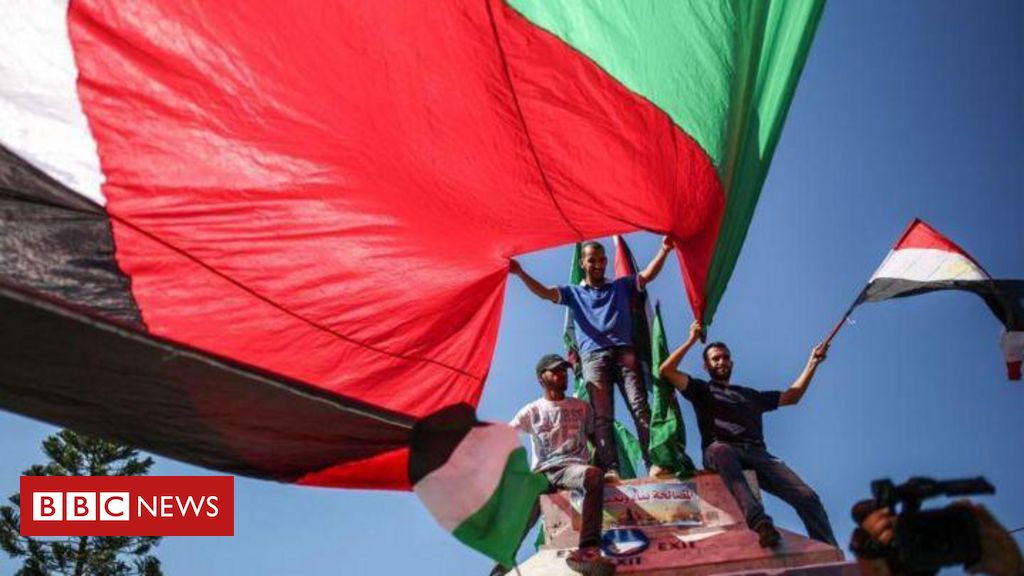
(1000,555)
(880,525)
(871,540)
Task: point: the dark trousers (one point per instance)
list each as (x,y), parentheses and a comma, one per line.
(602,369)
(775,478)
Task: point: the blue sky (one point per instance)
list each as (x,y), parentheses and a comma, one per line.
(906,109)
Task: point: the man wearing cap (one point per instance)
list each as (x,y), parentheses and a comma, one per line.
(558,429)
(604,327)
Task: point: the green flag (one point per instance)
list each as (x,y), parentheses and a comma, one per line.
(630,455)
(668,435)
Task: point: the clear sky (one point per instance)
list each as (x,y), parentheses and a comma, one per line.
(905,109)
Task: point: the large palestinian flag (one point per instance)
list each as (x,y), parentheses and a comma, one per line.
(923,260)
(273,237)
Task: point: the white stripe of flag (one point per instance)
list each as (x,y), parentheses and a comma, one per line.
(469,478)
(41,118)
(928,265)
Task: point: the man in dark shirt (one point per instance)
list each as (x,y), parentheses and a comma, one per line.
(729,418)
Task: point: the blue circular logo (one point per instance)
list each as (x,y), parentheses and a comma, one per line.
(621,542)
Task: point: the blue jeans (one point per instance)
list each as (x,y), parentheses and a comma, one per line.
(729,460)
(602,368)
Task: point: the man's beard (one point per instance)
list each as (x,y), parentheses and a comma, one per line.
(722,374)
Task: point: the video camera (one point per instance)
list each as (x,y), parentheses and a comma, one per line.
(927,540)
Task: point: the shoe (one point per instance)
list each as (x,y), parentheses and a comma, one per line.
(588,561)
(659,472)
(767,535)
(612,477)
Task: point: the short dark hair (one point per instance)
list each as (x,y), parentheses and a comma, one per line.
(594,244)
(713,345)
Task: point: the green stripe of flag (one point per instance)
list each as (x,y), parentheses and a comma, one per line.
(498,527)
(723,71)
(484,492)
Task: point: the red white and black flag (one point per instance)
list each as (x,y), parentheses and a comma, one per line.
(925,261)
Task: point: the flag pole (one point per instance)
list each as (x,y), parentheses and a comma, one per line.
(858,300)
(835,329)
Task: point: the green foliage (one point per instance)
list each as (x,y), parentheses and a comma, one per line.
(73,454)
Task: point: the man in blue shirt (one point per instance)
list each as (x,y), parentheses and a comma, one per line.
(604,329)
(729,418)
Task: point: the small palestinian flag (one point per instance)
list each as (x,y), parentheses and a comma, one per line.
(474,479)
(925,261)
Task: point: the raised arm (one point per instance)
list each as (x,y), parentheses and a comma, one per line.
(549,293)
(799,386)
(651,272)
(669,369)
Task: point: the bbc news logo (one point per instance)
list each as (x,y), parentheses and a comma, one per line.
(116,506)
(81,506)
(127,506)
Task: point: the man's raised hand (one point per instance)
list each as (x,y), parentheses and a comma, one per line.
(819,353)
(696,331)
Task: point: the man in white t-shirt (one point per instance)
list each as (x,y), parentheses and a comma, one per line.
(559,428)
